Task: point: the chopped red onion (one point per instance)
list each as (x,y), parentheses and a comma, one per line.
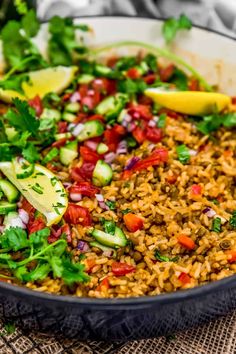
(76,197)
(71,126)
(83,246)
(67,185)
(75,97)
(91,92)
(131,126)
(122,147)
(78,129)
(17,222)
(209,212)
(103,206)
(192,152)
(99,197)
(127,118)
(24,216)
(152,123)
(110,157)
(124,124)
(132,162)
(91,145)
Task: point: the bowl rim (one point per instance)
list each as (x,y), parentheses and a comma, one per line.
(131,302)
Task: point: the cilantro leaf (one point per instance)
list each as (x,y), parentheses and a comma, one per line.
(6,153)
(151,61)
(39,273)
(14,83)
(216,225)
(126,211)
(111,204)
(229,120)
(30,24)
(180,79)
(109,226)
(212,122)
(232,220)
(14,239)
(21,6)
(161,121)
(172,25)
(162,258)
(23,118)
(73,272)
(57,267)
(39,237)
(131,86)
(30,153)
(183,154)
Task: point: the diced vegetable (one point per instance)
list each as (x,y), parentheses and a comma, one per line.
(76,214)
(102,174)
(183,154)
(50,155)
(6,207)
(68,153)
(162,258)
(51,114)
(23,168)
(186,242)
(232,220)
(69,117)
(231,255)
(10,191)
(184,278)
(85,79)
(133,222)
(112,106)
(117,240)
(102,148)
(90,130)
(72,107)
(103,248)
(102,70)
(119,269)
(216,225)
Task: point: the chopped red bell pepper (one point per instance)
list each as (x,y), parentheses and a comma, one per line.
(89,155)
(76,214)
(120,269)
(36,225)
(156,157)
(186,242)
(139,134)
(196,190)
(133,73)
(149,79)
(231,256)
(37,104)
(167,72)
(103,285)
(84,188)
(154,134)
(62,126)
(140,111)
(113,136)
(133,222)
(184,278)
(83,173)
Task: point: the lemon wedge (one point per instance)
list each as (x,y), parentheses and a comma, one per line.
(195,103)
(42,189)
(42,82)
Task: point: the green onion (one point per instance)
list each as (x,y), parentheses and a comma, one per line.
(183,154)
(216,225)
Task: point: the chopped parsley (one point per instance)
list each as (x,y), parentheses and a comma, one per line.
(232,220)
(183,154)
(172,25)
(126,211)
(109,226)
(213,122)
(111,204)
(162,258)
(161,121)
(216,225)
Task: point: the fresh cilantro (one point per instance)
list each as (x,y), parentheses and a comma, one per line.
(109,226)
(151,61)
(14,239)
(21,6)
(180,79)
(30,153)
(6,152)
(73,272)
(23,117)
(40,272)
(211,123)
(125,63)
(111,204)
(162,258)
(161,121)
(131,86)
(126,211)
(183,154)
(172,25)
(30,24)
(216,225)
(14,82)
(232,220)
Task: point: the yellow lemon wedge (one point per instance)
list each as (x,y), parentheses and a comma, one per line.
(42,189)
(42,82)
(195,103)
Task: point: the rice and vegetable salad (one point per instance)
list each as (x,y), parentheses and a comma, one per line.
(117,176)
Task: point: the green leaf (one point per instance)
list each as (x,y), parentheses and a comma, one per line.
(172,25)
(73,272)
(180,79)
(216,225)
(14,238)
(229,120)
(232,220)
(111,204)
(57,267)
(151,61)
(6,153)
(161,121)
(21,6)
(125,63)
(39,237)
(162,258)
(183,154)
(30,24)
(39,273)
(23,117)
(126,211)
(14,83)
(109,226)
(131,86)
(30,153)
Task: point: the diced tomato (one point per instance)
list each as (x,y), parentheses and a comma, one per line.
(27,206)
(193,85)
(89,155)
(196,190)
(154,134)
(167,72)
(60,142)
(37,104)
(170,113)
(84,188)
(144,100)
(171,179)
(139,134)
(184,278)
(133,73)
(140,112)
(104,85)
(62,126)
(76,214)
(113,136)
(36,225)
(65,229)
(82,173)
(150,79)
(133,222)
(52,167)
(66,97)
(103,285)
(91,101)
(90,263)
(156,157)
(96,117)
(186,242)
(111,62)
(119,268)
(233,100)
(126,175)
(231,256)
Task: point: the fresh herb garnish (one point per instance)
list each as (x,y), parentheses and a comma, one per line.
(126,211)
(111,204)
(216,225)
(109,226)
(50,155)
(162,258)
(161,121)
(213,122)
(232,220)
(172,25)
(183,154)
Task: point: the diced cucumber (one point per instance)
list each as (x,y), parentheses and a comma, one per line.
(117,240)
(85,78)
(91,129)
(102,174)
(68,153)
(102,70)
(9,190)
(23,169)
(102,148)
(11,133)
(106,105)
(6,207)
(69,117)
(121,116)
(51,113)
(63,136)
(103,248)
(72,107)
(112,106)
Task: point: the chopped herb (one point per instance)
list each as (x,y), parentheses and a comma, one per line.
(30,153)
(215,201)
(232,220)
(172,25)
(37,188)
(126,211)
(131,142)
(53,181)
(183,154)
(109,226)
(161,258)
(216,225)
(50,155)
(161,121)
(213,122)
(111,204)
